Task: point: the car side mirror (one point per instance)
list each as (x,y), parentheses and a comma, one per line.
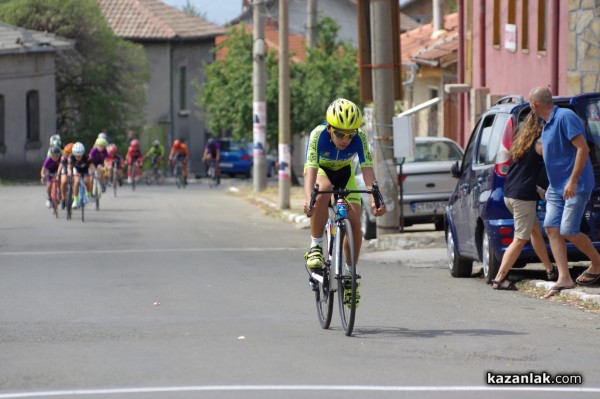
(455,169)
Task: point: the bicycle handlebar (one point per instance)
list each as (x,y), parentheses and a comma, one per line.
(343,192)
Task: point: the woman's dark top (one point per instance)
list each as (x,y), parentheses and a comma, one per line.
(523,176)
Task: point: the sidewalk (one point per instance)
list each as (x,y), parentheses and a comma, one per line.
(412,238)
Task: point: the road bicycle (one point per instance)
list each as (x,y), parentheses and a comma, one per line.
(133,174)
(55,193)
(96,188)
(339,271)
(82,200)
(213,179)
(179,178)
(154,174)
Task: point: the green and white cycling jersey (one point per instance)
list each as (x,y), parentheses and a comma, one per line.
(322,153)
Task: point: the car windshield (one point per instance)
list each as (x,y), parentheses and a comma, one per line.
(227,145)
(432,151)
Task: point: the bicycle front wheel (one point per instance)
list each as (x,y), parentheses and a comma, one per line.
(323,293)
(348,280)
(133,175)
(69,199)
(97,192)
(115,179)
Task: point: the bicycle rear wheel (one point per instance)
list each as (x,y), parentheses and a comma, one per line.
(347,282)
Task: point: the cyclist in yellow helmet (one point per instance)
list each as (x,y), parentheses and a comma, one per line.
(329,152)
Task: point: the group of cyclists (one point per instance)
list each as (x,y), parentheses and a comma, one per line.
(73,160)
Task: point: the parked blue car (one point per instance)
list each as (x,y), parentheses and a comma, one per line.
(479,227)
(237,159)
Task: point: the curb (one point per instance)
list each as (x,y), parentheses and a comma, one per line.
(576,292)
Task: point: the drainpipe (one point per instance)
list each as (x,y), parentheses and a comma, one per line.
(482,42)
(555,53)
(171,100)
(461,71)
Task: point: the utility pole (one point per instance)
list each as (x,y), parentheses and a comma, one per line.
(383,99)
(259,106)
(285,171)
(311,23)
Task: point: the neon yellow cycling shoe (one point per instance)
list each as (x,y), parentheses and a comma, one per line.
(348,292)
(314,257)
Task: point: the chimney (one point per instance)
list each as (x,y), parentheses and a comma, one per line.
(438,19)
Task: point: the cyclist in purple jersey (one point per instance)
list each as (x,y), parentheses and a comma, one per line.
(97,156)
(212,151)
(50,167)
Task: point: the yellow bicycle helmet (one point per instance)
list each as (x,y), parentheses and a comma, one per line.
(344,114)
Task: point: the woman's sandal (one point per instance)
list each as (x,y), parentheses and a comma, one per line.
(501,286)
(552,275)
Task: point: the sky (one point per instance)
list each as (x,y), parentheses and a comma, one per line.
(215,11)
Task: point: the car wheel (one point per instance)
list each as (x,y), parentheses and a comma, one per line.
(367,227)
(459,266)
(490,263)
(439,224)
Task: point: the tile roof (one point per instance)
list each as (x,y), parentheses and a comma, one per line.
(296,43)
(14,40)
(153,19)
(421,46)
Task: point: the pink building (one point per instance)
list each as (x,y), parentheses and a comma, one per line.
(510,46)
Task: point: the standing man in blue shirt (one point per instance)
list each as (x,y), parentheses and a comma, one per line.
(571,182)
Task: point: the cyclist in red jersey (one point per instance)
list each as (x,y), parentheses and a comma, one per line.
(108,163)
(134,154)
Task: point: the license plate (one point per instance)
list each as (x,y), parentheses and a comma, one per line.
(428,207)
(226,165)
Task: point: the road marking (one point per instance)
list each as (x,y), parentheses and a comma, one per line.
(141,250)
(371,388)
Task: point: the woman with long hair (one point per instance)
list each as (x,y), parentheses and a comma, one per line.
(520,196)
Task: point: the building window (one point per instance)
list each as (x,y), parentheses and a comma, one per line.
(525,25)
(541,26)
(33,116)
(182,88)
(496,33)
(512,12)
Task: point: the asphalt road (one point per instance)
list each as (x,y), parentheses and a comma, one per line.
(168,293)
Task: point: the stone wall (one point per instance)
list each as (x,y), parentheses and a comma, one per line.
(583,66)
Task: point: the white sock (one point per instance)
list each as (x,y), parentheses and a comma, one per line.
(316,241)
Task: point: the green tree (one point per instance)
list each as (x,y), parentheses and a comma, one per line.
(101,82)
(330,71)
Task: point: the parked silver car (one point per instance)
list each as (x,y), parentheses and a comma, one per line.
(426,184)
